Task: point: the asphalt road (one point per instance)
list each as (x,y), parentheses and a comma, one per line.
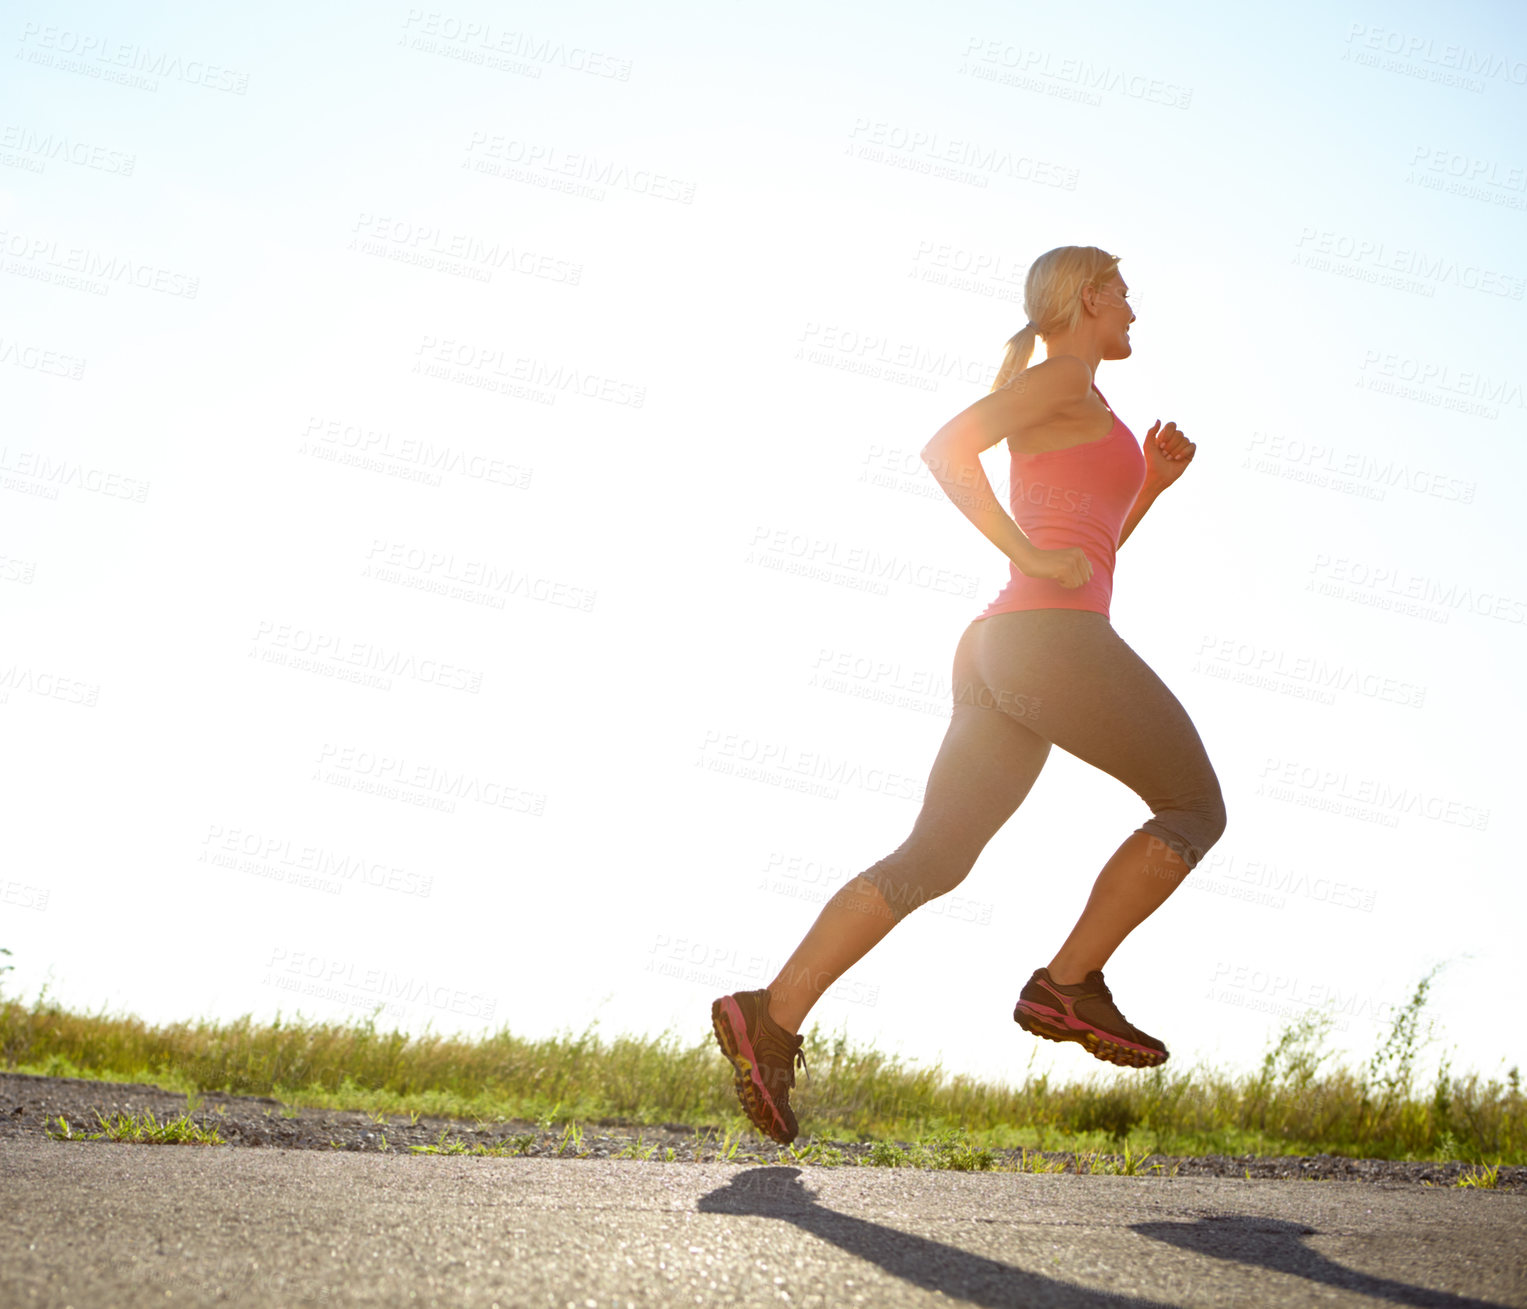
(96,1223)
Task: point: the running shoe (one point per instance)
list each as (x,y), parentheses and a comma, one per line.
(764,1055)
(1085,1012)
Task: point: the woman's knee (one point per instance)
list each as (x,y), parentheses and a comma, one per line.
(914,873)
(1185,833)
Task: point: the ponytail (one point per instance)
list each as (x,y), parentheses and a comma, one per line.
(1020,349)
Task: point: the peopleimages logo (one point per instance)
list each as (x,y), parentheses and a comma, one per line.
(431,247)
(824,555)
(278,858)
(783,764)
(1444,377)
(47,685)
(830,340)
(547,164)
(1446,55)
(46,254)
(314,650)
(802,878)
(1370,260)
(24,896)
(1029,68)
(1358,472)
(869,139)
(409,458)
(399,778)
(486,365)
(724,967)
(1329,788)
(1233,982)
(343,980)
(1282,666)
(477,41)
(1382,583)
(45,147)
(38,359)
(84,52)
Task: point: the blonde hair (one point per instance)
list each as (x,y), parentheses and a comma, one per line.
(1052,298)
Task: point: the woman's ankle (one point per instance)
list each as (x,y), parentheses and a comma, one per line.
(778,1012)
(1064,974)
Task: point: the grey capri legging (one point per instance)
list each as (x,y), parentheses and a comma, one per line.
(1025,681)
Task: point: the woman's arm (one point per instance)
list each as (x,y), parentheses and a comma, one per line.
(1030,399)
(965,482)
(1167,454)
(1143,501)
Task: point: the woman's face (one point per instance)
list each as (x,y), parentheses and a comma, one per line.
(1114,317)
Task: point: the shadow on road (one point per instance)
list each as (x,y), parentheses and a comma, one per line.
(780,1193)
(1273,1243)
(1265,1242)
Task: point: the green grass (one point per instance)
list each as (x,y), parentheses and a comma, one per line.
(1299,1101)
(452,1145)
(142,1129)
(1487,1177)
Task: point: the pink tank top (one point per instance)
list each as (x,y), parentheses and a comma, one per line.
(1079,495)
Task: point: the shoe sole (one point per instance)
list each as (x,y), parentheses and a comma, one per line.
(1114,1050)
(731,1030)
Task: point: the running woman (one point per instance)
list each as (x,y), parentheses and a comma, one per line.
(1041,665)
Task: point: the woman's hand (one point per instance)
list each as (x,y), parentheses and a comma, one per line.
(1167,453)
(1069,566)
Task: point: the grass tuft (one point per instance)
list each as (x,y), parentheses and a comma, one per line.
(1486,1177)
(142,1129)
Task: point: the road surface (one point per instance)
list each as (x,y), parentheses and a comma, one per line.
(98,1223)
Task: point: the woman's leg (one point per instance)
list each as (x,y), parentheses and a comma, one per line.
(1101,702)
(1134,883)
(985,767)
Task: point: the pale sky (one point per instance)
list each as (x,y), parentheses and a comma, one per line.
(463,544)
